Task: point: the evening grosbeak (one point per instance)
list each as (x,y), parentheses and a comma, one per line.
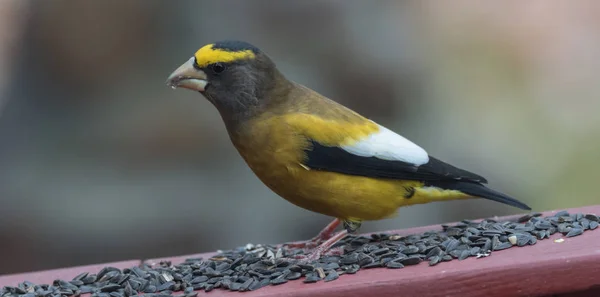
(316,153)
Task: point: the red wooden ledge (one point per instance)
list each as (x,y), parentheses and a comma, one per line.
(548,268)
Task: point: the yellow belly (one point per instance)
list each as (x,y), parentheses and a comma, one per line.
(342,196)
(349,197)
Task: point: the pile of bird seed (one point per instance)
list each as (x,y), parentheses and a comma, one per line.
(252,267)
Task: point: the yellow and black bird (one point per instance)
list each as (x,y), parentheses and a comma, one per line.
(316,153)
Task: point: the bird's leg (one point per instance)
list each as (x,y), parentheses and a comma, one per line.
(325,234)
(321,249)
(325,247)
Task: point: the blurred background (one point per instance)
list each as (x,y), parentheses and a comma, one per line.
(101,161)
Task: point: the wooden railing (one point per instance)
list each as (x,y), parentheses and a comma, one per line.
(569,267)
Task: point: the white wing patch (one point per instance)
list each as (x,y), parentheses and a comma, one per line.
(387,145)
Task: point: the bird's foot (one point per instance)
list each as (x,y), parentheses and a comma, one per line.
(316,254)
(305,244)
(323,249)
(313,243)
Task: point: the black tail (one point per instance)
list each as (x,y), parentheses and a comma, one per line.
(479,190)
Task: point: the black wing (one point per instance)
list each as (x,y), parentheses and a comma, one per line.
(435,173)
(335,159)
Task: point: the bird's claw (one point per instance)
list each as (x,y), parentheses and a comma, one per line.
(315,255)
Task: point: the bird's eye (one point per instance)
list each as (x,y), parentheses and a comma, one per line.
(217,67)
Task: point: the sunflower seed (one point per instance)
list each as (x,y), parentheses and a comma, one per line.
(312,278)
(464,254)
(592,217)
(278,281)
(350,259)
(434,260)
(394,265)
(575,232)
(331,276)
(502,246)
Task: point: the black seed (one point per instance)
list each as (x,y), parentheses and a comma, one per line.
(232,287)
(307,267)
(523,239)
(575,232)
(199,279)
(350,259)
(89,279)
(86,289)
(199,286)
(331,276)
(502,246)
(593,225)
(394,265)
(351,269)
(295,268)
(293,276)
(565,219)
(561,213)
(411,260)
(110,288)
(495,241)
(434,260)
(259,284)
(313,278)
(436,251)
(107,270)
(80,276)
(491,232)
(543,225)
(453,231)
(585,224)
(591,217)
(365,261)
(380,251)
(330,266)
(487,246)
(410,250)
(452,245)
(246,285)
(139,272)
(564,228)
(462,247)
(524,218)
(166,286)
(373,265)
(391,254)
(464,254)
(150,289)
(532,240)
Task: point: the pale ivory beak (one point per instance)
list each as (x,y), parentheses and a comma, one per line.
(188,77)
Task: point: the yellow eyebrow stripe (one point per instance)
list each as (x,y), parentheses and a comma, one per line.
(208,55)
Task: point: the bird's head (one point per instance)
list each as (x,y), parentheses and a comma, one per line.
(233,75)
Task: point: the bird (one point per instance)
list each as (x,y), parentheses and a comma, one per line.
(316,153)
